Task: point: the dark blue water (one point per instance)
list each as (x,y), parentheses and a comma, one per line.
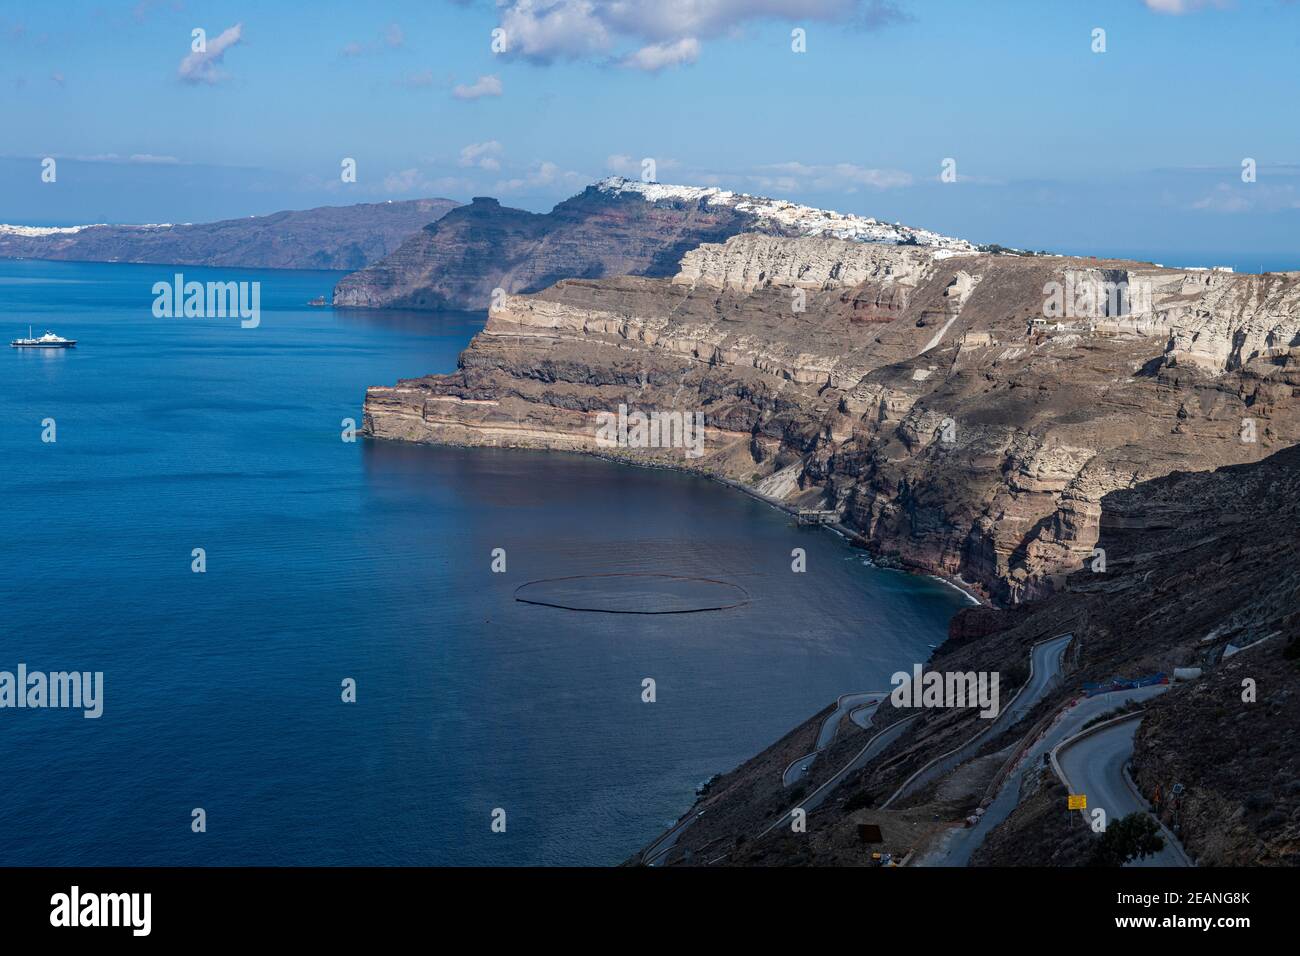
(328,560)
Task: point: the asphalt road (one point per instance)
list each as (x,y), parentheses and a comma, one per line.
(1046,659)
(864,756)
(660,847)
(847,703)
(1094,766)
(962,842)
(862,715)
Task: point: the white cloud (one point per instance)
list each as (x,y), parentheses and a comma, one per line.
(663,33)
(630,166)
(677,18)
(489,85)
(203,67)
(402,182)
(1179,7)
(483,155)
(542,175)
(1249,197)
(623,165)
(1223,202)
(847,177)
(656,56)
(415,181)
(545,30)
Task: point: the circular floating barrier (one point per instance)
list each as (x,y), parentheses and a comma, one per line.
(633,593)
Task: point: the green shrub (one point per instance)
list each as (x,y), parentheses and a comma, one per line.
(1131,838)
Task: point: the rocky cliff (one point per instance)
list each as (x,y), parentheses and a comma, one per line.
(616,227)
(918,390)
(1111,439)
(458,261)
(329,237)
(1202,574)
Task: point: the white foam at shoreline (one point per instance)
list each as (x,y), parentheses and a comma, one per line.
(957,587)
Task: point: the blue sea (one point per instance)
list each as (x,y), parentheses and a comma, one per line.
(329,560)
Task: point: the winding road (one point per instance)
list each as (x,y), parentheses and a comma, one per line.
(657,850)
(1045,659)
(864,756)
(862,715)
(961,843)
(1095,765)
(1045,666)
(854,705)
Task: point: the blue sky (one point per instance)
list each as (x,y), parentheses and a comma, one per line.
(1136,150)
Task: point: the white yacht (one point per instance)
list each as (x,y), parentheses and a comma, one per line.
(47,341)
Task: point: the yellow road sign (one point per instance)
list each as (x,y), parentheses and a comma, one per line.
(1078,801)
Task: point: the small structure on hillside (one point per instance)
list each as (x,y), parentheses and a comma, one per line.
(813,516)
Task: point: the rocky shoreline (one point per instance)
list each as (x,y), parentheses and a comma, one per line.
(975,596)
(921,397)
(918,395)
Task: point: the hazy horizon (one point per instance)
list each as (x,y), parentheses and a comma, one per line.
(1055,144)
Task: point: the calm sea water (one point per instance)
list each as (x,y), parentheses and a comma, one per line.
(328,560)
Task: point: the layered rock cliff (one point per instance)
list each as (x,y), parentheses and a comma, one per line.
(615,227)
(329,237)
(919,391)
(1202,575)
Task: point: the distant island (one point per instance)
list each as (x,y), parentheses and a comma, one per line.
(327,237)
(614,227)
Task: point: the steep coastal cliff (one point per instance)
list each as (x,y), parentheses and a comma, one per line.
(1048,429)
(917,390)
(616,227)
(1202,575)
